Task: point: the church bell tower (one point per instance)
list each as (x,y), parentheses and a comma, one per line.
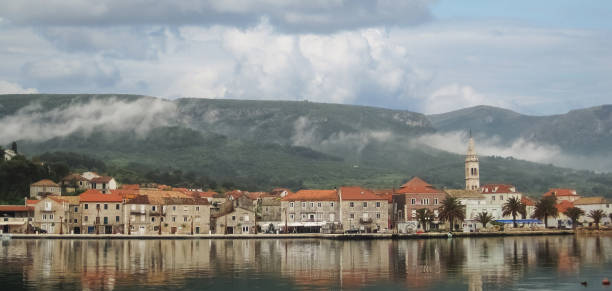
(472,171)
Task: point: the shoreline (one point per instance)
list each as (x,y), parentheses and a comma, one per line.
(364,236)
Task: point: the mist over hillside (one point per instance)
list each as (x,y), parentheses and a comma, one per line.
(305,144)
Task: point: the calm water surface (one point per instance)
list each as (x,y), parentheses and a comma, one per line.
(516,263)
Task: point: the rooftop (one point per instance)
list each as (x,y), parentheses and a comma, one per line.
(417,186)
(97,196)
(497,188)
(465,194)
(560,192)
(16,208)
(591,200)
(45,182)
(312,195)
(358,193)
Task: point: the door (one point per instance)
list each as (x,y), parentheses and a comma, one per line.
(229,230)
(5,229)
(173,230)
(197,229)
(108,229)
(141,229)
(77,230)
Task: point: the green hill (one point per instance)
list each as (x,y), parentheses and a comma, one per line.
(261,144)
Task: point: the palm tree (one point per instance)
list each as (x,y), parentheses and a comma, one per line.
(484,218)
(451,208)
(574,214)
(513,206)
(597,215)
(546,207)
(424,216)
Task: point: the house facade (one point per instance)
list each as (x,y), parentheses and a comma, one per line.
(15,218)
(101,213)
(419,194)
(103,183)
(588,204)
(237,221)
(562,194)
(44,188)
(311,211)
(183,215)
(51,215)
(363,210)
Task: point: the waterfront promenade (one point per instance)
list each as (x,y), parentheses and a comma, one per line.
(363,236)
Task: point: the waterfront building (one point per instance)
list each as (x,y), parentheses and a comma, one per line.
(269,213)
(51,214)
(144,214)
(474,203)
(529,205)
(185,215)
(44,188)
(419,194)
(496,195)
(562,194)
(362,210)
(311,211)
(588,204)
(101,213)
(103,183)
(235,220)
(15,218)
(472,167)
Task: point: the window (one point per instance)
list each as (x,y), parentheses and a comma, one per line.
(173,218)
(86,206)
(76,209)
(105,206)
(426,201)
(117,206)
(311,204)
(51,216)
(352,215)
(365,204)
(413,213)
(44,217)
(173,208)
(331,204)
(75,220)
(291,216)
(319,204)
(105,219)
(436,201)
(97,206)
(85,218)
(152,219)
(303,216)
(304,204)
(493,198)
(245,229)
(413,201)
(233,217)
(378,215)
(291,204)
(501,197)
(351,204)
(116,218)
(377,204)
(153,208)
(197,208)
(184,218)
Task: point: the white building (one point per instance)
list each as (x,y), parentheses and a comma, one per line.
(475,203)
(9,155)
(588,204)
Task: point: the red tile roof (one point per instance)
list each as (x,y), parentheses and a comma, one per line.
(15,208)
(31,202)
(560,192)
(387,194)
(130,187)
(312,195)
(527,201)
(358,193)
(45,182)
(564,205)
(97,196)
(497,188)
(207,194)
(234,194)
(417,186)
(257,195)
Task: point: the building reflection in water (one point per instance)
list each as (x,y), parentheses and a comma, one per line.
(469,264)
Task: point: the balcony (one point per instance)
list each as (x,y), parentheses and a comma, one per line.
(365,220)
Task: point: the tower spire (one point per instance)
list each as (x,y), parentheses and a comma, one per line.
(472,167)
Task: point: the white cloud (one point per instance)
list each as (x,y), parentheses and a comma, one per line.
(37,123)
(14,88)
(454,96)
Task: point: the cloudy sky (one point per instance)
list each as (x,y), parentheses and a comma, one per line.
(536,57)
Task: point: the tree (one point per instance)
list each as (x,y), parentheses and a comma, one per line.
(424,216)
(574,214)
(450,210)
(596,215)
(484,218)
(546,207)
(513,206)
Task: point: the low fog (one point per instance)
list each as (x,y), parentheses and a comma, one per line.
(37,123)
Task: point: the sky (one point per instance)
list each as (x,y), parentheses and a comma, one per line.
(535,57)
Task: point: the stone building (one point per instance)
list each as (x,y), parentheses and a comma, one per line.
(183,215)
(15,218)
(474,203)
(237,221)
(103,183)
(419,194)
(144,215)
(311,211)
(101,213)
(269,212)
(52,214)
(472,168)
(562,194)
(44,188)
(363,210)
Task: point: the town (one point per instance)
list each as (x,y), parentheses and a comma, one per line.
(105,207)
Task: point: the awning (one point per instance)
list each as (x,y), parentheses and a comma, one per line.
(12,222)
(507,221)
